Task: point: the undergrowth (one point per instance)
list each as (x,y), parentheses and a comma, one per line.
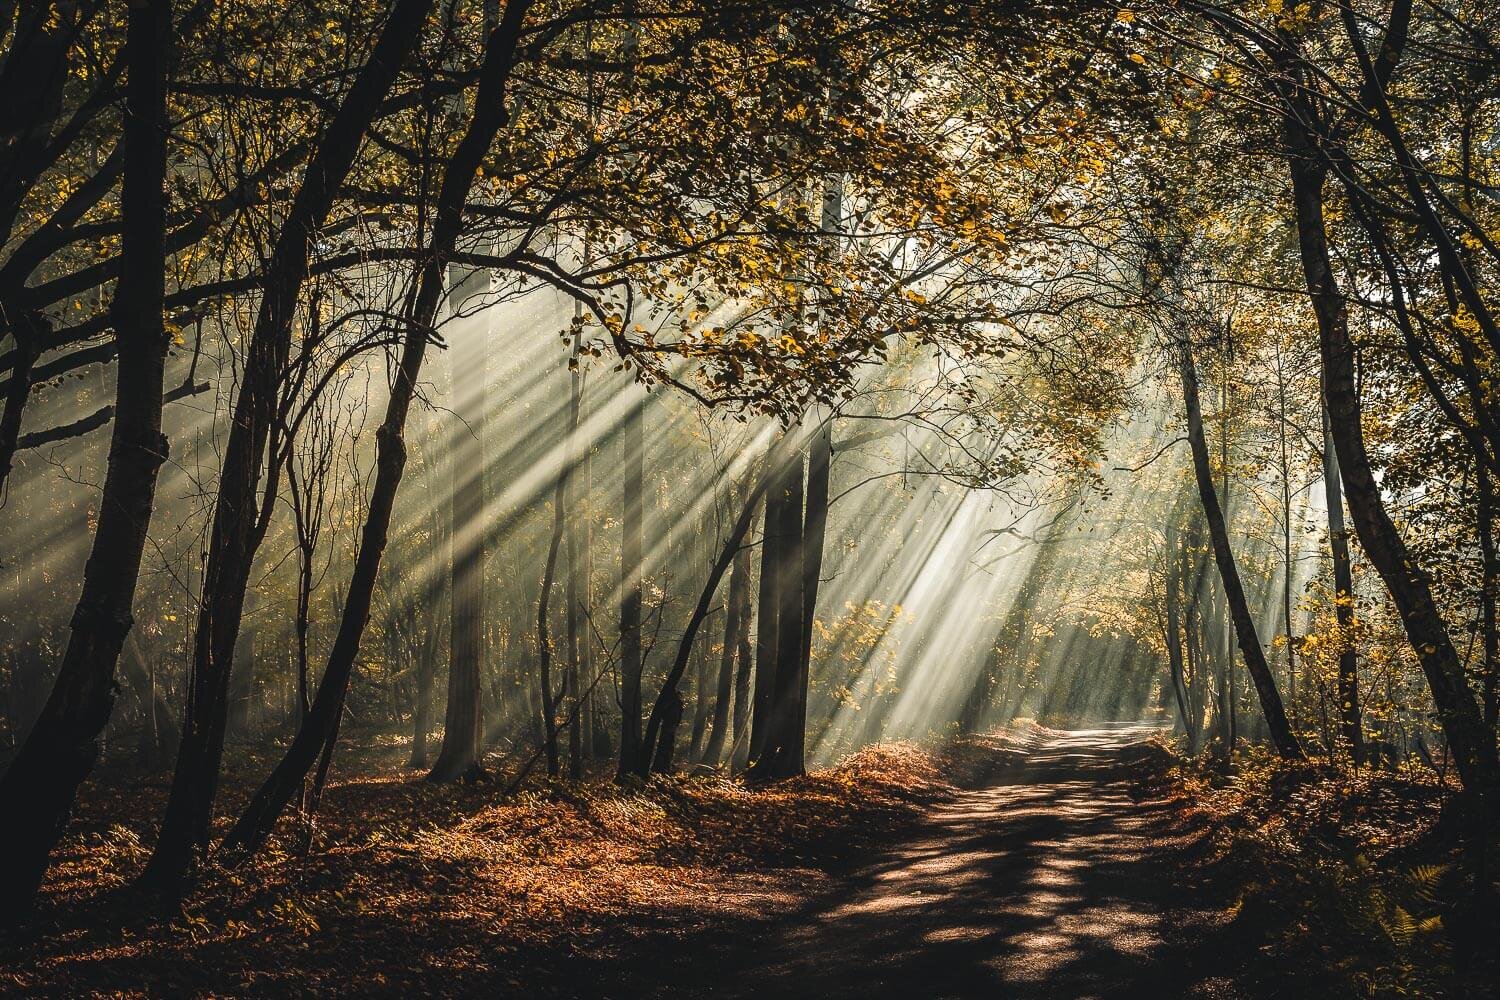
(1354,878)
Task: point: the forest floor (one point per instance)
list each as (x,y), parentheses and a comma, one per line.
(1054,871)
(1036,863)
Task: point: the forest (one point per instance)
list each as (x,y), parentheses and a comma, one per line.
(727,498)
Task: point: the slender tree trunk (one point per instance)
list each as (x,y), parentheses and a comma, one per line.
(574,587)
(739,755)
(814,540)
(768,600)
(316,737)
(1227,691)
(543,627)
(562,533)
(463,718)
(596,738)
(739,584)
(421,722)
(1234,594)
(234,536)
(633,759)
(701,699)
(1196,670)
(1286,538)
(304,608)
(432,594)
(1173,637)
(666,713)
(42,782)
(1458,712)
(1351,728)
(1489,581)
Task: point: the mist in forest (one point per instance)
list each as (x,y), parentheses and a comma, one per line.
(713,435)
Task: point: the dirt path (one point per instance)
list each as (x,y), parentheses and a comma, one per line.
(1053,879)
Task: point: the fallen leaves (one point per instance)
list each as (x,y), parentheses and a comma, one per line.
(404,878)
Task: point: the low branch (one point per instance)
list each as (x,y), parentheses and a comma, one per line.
(100,418)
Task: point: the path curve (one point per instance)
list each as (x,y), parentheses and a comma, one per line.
(1057,878)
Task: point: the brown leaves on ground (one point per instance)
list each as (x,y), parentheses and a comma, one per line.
(1351,880)
(409,884)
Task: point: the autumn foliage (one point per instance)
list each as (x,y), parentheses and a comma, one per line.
(405,879)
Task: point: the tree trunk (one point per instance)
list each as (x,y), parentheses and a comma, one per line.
(739,584)
(1227,676)
(234,536)
(1489,580)
(633,759)
(543,628)
(1172,586)
(777,753)
(432,593)
(1234,594)
(1409,587)
(1285,469)
(702,703)
(667,711)
(739,755)
(768,601)
(573,588)
(595,735)
(562,533)
(42,782)
(318,733)
(463,718)
(1343,593)
(814,539)
(421,722)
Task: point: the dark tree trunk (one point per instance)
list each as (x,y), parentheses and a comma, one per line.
(1234,593)
(1192,647)
(734,623)
(1173,586)
(661,737)
(421,723)
(234,536)
(814,539)
(562,533)
(1489,581)
(1459,714)
(595,737)
(701,699)
(39,788)
(666,713)
(574,587)
(633,759)
(740,750)
(1343,594)
(768,601)
(543,629)
(777,752)
(318,733)
(463,718)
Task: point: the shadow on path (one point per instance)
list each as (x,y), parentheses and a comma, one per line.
(1050,878)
